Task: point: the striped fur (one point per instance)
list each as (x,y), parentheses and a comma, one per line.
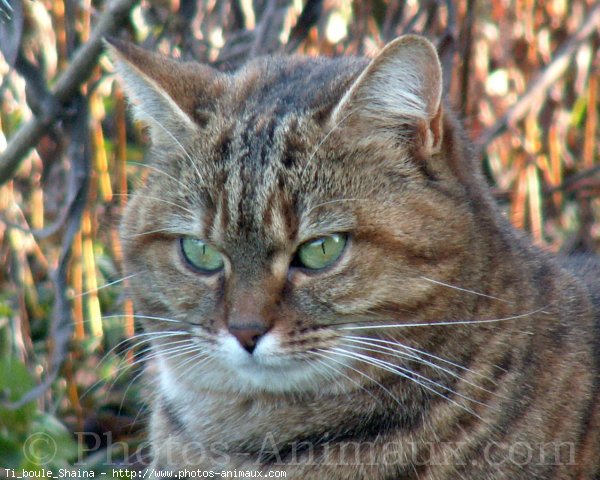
(442,344)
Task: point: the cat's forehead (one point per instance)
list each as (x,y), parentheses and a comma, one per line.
(263,182)
(263,156)
(277,86)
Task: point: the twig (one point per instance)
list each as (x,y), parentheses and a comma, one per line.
(62,325)
(432,16)
(5,11)
(310,16)
(446,46)
(573,180)
(36,89)
(411,24)
(65,88)
(393,18)
(237,14)
(235,50)
(63,216)
(466,48)
(269,27)
(545,80)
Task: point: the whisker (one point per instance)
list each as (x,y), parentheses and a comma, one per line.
(143,408)
(158,199)
(158,170)
(327,373)
(407,373)
(185,152)
(424,353)
(199,354)
(390,367)
(192,362)
(156,335)
(148,340)
(357,371)
(149,336)
(324,139)
(164,319)
(146,317)
(131,382)
(149,232)
(179,351)
(450,322)
(110,284)
(339,372)
(397,354)
(135,345)
(454,287)
(165,349)
(170,353)
(338,200)
(140,359)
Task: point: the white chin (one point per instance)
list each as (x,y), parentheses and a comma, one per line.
(266,369)
(233,369)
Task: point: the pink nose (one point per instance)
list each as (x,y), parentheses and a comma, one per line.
(248,335)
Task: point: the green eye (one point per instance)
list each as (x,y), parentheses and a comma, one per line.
(201,255)
(321,252)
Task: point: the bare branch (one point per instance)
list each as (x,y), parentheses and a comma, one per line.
(62,325)
(310,16)
(64,89)
(393,18)
(539,87)
(466,50)
(269,28)
(570,183)
(446,46)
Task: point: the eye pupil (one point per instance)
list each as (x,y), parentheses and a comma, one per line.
(321,252)
(201,256)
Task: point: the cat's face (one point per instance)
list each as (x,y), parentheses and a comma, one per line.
(286,205)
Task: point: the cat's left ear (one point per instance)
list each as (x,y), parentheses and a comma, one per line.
(399,90)
(171,97)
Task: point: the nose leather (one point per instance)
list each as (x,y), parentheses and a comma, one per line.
(252,311)
(248,335)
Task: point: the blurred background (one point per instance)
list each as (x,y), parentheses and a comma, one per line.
(523,75)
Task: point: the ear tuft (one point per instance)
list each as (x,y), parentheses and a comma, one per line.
(401,86)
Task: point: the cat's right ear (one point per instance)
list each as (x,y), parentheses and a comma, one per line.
(171,97)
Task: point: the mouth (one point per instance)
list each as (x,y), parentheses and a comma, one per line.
(263,362)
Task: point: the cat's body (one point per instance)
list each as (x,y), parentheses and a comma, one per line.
(437,343)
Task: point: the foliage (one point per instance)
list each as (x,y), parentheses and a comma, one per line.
(523,75)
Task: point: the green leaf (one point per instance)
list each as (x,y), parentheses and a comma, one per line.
(15,381)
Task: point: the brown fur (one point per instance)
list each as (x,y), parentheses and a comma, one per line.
(288,149)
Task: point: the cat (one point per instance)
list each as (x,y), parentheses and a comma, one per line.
(330,289)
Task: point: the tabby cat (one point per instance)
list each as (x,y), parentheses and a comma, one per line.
(330,290)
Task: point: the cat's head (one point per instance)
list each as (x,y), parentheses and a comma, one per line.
(287,204)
